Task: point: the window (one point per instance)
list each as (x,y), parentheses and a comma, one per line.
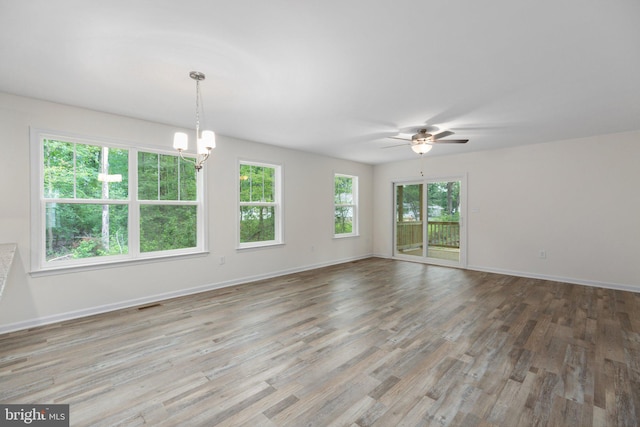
(167,194)
(345,205)
(99,202)
(260,211)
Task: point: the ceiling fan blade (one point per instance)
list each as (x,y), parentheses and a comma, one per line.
(443,134)
(395,146)
(449,141)
(397,137)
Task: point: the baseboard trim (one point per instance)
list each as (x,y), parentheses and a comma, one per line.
(571,280)
(56,318)
(592,283)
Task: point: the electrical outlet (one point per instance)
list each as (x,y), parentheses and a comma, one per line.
(222,260)
(542,254)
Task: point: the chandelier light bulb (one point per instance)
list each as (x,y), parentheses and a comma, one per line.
(207,142)
(180,141)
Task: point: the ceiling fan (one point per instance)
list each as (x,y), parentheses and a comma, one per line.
(423,141)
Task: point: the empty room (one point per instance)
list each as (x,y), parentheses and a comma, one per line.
(415,213)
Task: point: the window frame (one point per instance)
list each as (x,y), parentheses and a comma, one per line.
(277,204)
(39,264)
(353,205)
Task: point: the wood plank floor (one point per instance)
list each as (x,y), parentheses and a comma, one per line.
(370,343)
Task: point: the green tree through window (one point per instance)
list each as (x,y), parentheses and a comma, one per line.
(83,186)
(345,204)
(259,203)
(163,179)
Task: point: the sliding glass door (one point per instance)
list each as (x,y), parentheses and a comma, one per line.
(428,221)
(410,220)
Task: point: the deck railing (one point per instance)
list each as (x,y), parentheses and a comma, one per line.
(444,233)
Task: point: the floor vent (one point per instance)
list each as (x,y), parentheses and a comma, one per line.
(144,307)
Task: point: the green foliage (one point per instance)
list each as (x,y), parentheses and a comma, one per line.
(343,189)
(71,227)
(89,247)
(444,200)
(343,223)
(257,183)
(409,203)
(58,169)
(166,227)
(343,220)
(257,195)
(165,177)
(257,224)
(448,218)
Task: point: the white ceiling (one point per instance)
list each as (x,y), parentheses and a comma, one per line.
(338,76)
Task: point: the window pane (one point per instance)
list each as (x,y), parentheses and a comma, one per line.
(443,220)
(257,183)
(147,176)
(188,181)
(87,170)
(343,189)
(94,172)
(58,169)
(344,220)
(114,175)
(409,217)
(85,230)
(165,177)
(169,178)
(257,223)
(167,227)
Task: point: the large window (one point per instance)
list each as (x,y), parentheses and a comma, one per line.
(97,202)
(260,210)
(345,202)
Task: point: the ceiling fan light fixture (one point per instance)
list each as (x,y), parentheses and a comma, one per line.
(421,148)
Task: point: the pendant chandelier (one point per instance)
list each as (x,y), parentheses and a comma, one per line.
(205,139)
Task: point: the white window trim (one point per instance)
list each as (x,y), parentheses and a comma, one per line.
(277,204)
(38,263)
(354,206)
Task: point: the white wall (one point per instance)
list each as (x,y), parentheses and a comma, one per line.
(576,199)
(308,213)
(579,200)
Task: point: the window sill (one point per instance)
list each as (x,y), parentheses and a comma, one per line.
(259,246)
(345,236)
(111,264)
